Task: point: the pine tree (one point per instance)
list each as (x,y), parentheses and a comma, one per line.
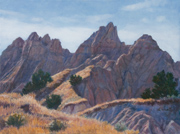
(165,85)
(39,80)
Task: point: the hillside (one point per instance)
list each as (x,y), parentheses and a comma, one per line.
(114,75)
(147,116)
(38,118)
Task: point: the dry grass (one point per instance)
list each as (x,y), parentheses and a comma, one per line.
(92,127)
(58,78)
(38,118)
(85,72)
(65,90)
(61,86)
(137,101)
(76,102)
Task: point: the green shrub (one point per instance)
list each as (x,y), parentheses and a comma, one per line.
(57,125)
(165,85)
(39,80)
(27,88)
(16,120)
(120,126)
(74,80)
(146,94)
(53,101)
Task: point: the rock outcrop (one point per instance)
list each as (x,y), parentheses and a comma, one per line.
(129,75)
(22,58)
(135,70)
(104,41)
(121,71)
(149,117)
(110,70)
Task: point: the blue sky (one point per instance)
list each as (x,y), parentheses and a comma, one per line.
(73,21)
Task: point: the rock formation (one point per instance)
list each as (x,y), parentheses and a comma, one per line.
(149,117)
(22,58)
(109,68)
(121,71)
(105,41)
(129,75)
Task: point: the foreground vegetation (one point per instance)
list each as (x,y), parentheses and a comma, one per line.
(35,119)
(53,101)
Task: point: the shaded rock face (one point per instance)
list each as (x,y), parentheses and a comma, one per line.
(22,58)
(148,119)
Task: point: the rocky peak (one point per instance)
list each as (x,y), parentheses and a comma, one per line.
(33,36)
(46,38)
(56,46)
(146,39)
(108,33)
(18,42)
(104,41)
(110,25)
(112,32)
(17,64)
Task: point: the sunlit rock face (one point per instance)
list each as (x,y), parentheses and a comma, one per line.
(22,58)
(105,41)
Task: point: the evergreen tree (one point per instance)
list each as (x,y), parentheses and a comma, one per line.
(74,80)
(165,85)
(53,101)
(39,80)
(146,94)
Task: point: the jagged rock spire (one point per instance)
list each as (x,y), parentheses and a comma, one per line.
(46,38)
(33,36)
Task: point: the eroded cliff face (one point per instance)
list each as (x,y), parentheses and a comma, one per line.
(136,69)
(22,58)
(110,70)
(129,75)
(149,117)
(120,71)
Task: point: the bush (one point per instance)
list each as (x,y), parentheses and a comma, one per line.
(54,101)
(165,85)
(16,120)
(74,80)
(39,80)
(57,125)
(146,94)
(120,126)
